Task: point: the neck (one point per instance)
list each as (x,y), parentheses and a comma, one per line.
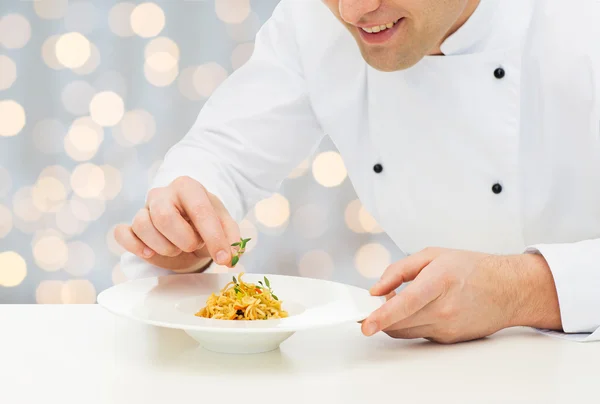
(464,17)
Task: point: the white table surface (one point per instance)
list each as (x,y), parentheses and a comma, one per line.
(84,355)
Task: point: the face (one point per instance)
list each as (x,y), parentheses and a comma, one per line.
(396,34)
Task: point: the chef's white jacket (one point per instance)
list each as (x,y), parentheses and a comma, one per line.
(493,147)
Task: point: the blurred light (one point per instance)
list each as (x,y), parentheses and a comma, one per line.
(76,97)
(49,53)
(112,244)
(48,136)
(119,19)
(107,108)
(241,54)
(84,139)
(73,50)
(153,170)
(48,292)
(13,269)
(60,173)
(6,222)
(12,118)
(87,210)
(245,31)
(81,16)
(48,194)
(248,230)
(310,221)
(50,252)
(91,64)
(368,222)
(316,264)
(87,180)
(232,11)
(5,182)
(147,20)
(23,206)
(15,31)
(328,169)
(300,170)
(136,127)
(371,260)
(112,80)
(160,78)
(186,84)
(67,222)
(81,258)
(273,211)
(50,9)
(8,72)
(167,51)
(351,216)
(208,77)
(118,276)
(79,291)
(113,182)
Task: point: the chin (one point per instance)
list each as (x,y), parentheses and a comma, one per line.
(391,64)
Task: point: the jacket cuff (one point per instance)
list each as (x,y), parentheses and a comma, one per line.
(576,271)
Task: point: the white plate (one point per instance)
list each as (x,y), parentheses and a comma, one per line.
(172,301)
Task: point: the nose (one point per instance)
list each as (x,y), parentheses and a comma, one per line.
(352,11)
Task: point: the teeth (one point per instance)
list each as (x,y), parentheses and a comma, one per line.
(374,30)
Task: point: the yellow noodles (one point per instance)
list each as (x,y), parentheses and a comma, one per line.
(239,300)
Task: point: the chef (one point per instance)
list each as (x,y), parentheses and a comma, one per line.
(470,130)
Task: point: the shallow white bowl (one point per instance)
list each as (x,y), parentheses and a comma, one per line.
(172,301)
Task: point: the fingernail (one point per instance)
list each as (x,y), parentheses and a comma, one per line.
(222,257)
(147,252)
(370,328)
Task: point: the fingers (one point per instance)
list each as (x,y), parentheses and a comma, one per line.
(230,226)
(194,200)
(125,236)
(169,222)
(411,333)
(422,291)
(146,231)
(403,271)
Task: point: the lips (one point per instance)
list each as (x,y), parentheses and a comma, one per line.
(375,29)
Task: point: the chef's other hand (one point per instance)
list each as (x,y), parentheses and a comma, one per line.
(181,228)
(455,296)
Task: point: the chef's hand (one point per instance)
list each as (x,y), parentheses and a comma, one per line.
(459,296)
(181,228)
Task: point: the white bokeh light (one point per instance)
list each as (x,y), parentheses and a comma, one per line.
(67,223)
(13,269)
(351,216)
(48,194)
(185,84)
(113,182)
(6,221)
(23,206)
(58,172)
(87,180)
(137,126)
(87,209)
(81,258)
(73,50)
(49,53)
(328,169)
(15,31)
(273,211)
(48,292)
(78,291)
(208,77)
(8,72)
(12,118)
(147,20)
(83,139)
(232,11)
(119,19)
(50,252)
(300,170)
(107,108)
(316,264)
(76,97)
(160,78)
(371,260)
(368,222)
(50,9)
(91,64)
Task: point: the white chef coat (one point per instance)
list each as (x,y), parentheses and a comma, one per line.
(447,132)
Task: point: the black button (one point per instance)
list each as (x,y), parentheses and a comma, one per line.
(497,188)
(378,168)
(499,73)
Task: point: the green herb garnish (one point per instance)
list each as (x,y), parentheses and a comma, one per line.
(242,249)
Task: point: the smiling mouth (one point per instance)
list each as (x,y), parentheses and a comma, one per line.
(380,34)
(380,28)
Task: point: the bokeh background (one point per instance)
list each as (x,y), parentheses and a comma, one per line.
(92,94)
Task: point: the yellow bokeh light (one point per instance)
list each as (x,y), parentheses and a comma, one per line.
(137,126)
(49,53)
(76,97)
(310,221)
(91,64)
(371,260)
(23,206)
(15,31)
(147,20)
(241,54)
(6,222)
(351,216)
(83,139)
(48,194)
(107,108)
(48,292)
(232,11)
(81,258)
(161,78)
(50,252)
(118,276)
(368,222)
(167,50)
(273,211)
(87,180)
(208,77)
(8,72)
(5,182)
(316,264)
(248,230)
(79,291)
(13,269)
(58,172)
(119,19)
(50,9)
(73,50)
(12,118)
(67,223)
(329,169)
(113,182)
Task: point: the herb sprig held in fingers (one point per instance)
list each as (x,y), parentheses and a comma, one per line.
(241,250)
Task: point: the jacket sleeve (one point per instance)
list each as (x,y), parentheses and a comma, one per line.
(254,130)
(576,271)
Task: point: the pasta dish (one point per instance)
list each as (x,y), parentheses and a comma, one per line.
(239,300)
